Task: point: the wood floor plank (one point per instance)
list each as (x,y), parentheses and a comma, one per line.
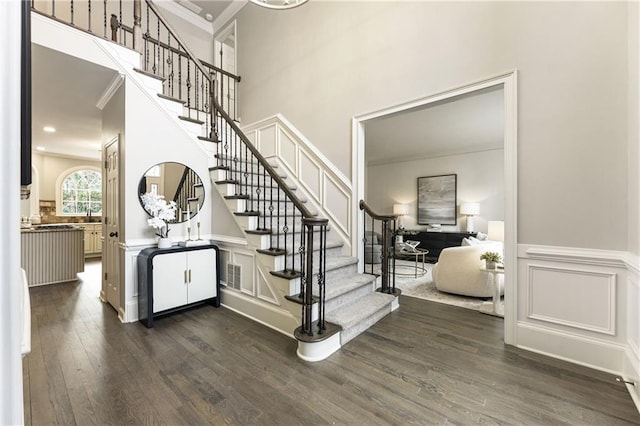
(425,363)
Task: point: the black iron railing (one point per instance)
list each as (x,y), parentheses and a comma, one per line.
(144,29)
(379,240)
(208,93)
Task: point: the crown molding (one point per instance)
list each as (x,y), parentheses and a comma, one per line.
(111,90)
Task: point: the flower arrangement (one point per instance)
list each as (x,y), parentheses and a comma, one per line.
(161,212)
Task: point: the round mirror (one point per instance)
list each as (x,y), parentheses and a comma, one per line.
(178,183)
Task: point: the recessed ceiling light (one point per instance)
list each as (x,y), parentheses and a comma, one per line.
(41,148)
(49,129)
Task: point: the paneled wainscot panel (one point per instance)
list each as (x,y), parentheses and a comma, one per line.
(267,141)
(310,174)
(288,151)
(337,203)
(571,297)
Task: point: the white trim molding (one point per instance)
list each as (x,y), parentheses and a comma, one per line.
(509,82)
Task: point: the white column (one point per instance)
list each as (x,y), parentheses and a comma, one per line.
(11,408)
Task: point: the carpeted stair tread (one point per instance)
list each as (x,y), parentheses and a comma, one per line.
(344,285)
(349,315)
(340,262)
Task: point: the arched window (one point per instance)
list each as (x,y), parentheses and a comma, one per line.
(80,193)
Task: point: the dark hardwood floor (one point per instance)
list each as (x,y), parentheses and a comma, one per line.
(423,364)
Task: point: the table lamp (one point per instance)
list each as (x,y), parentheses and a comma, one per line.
(469,210)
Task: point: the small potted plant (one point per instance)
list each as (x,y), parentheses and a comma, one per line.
(491,258)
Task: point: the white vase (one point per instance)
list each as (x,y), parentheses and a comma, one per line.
(164,243)
(490,264)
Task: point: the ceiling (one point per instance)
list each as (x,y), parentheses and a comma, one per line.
(467,123)
(65,91)
(214,7)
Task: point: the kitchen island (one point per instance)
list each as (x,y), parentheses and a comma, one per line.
(52,253)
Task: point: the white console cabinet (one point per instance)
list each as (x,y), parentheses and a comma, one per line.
(174,278)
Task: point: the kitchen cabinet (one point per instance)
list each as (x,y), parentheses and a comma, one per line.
(176,278)
(92,239)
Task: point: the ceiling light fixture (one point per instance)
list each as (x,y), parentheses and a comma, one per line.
(40,148)
(49,129)
(279,4)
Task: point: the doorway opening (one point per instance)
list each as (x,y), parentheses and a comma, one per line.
(505,86)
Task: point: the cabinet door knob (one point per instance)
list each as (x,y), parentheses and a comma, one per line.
(113,234)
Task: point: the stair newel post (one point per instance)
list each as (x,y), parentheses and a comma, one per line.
(393,258)
(385,256)
(322,268)
(308,296)
(137,25)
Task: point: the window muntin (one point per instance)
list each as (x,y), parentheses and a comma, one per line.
(81,193)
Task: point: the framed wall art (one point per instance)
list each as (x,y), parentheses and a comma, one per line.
(437,200)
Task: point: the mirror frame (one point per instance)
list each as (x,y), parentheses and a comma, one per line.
(186,176)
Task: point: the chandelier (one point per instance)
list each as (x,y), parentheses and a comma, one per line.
(279,4)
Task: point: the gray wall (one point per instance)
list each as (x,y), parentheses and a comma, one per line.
(480,178)
(634,127)
(323,63)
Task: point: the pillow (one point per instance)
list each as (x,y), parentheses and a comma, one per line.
(481,236)
(466,242)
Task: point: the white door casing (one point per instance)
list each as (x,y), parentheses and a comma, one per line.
(111,224)
(509,83)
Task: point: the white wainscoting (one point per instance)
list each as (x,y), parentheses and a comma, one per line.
(631,370)
(328,190)
(573,304)
(255,296)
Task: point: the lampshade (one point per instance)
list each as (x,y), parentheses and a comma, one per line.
(496,230)
(401,209)
(469,209)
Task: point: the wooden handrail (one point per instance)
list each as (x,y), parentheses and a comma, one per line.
(364,206)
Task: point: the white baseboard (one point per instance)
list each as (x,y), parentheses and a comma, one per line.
(269,315)
(632,373)
(593,353)
(131,311)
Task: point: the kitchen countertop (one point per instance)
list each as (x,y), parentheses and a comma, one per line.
(52,228)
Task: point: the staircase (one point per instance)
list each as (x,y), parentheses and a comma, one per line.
(294,245)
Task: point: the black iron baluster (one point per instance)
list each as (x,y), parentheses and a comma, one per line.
(189,87)
(157,61)
(293,238)
(146,42)
(170,64)
(72,12)
(303,279)
(179,76)
(285,228)
(53,8)
(264,199)
(195,92)
(275,231)
(89,19)
(246,179)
